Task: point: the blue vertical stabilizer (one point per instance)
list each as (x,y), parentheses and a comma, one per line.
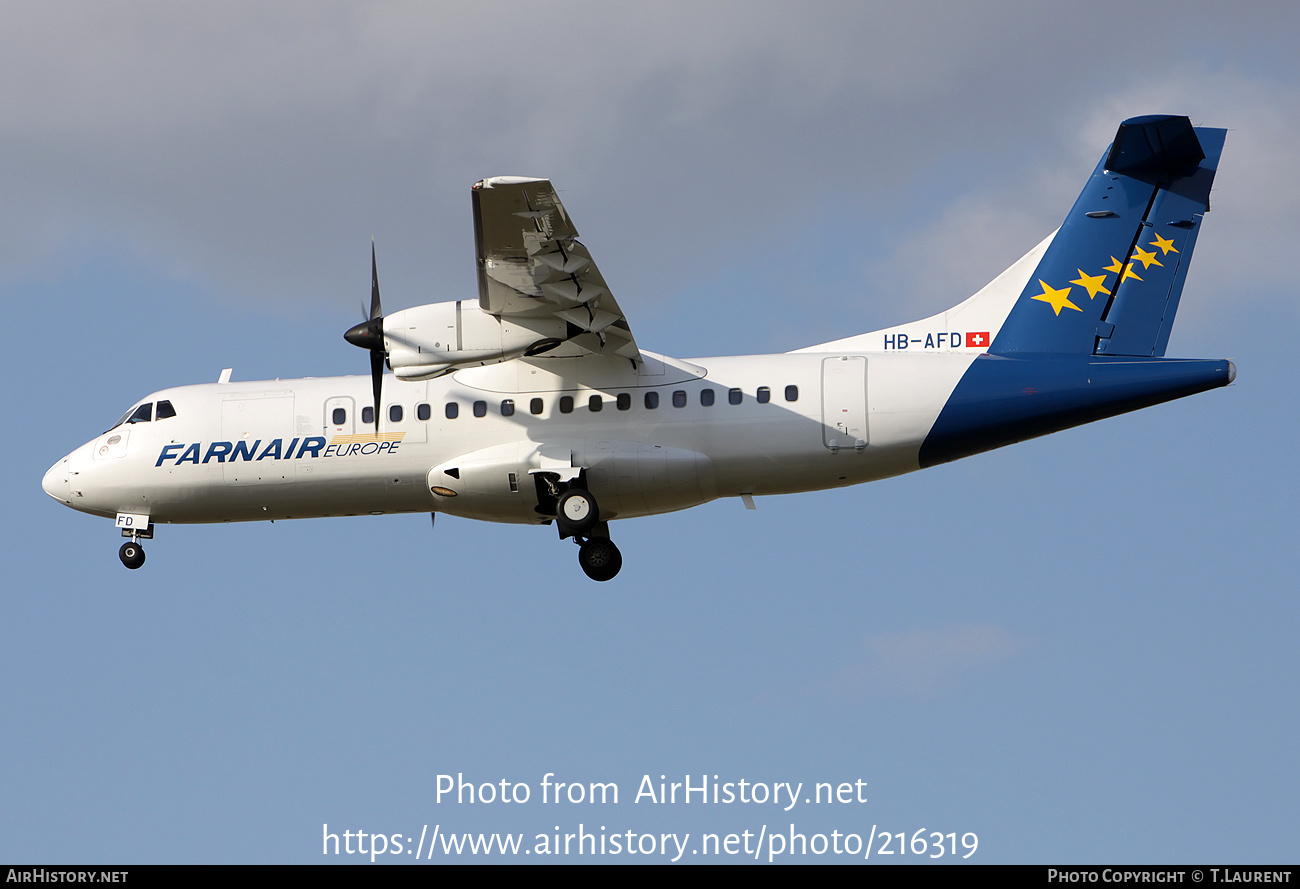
(1086,337)
(1110,282)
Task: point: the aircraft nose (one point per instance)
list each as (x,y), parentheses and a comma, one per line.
(55,482)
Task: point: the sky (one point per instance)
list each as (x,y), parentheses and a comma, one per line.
(1078,649)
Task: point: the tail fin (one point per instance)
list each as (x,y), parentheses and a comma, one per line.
(1110,281)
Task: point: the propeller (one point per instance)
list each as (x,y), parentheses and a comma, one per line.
(369,334)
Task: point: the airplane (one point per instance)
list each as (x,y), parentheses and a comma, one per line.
(535,404)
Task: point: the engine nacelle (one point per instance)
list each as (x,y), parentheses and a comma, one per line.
(429,341)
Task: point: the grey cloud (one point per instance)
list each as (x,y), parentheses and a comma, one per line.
(924,662)
(254,148)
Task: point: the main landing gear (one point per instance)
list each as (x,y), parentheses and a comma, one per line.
(578,516)
(576,511)
(599,558)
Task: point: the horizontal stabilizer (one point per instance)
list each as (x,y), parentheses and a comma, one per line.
(1155,148)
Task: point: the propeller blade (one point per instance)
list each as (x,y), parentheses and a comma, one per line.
(376,310)
(369,335)
(377,381)
(377,318)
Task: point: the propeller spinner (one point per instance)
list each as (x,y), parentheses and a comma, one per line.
(369,334)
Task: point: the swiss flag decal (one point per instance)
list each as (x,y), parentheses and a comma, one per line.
(978,339)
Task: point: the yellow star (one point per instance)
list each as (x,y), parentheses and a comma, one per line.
(1128,270)
(1146,257)
(1057,299)
(1091,283)
(1166,245)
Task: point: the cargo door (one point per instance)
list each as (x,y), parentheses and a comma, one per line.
(258,430)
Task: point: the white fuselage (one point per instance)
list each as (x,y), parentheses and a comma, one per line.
(536,404)
(298,448)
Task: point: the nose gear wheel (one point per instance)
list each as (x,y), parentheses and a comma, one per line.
(131,554)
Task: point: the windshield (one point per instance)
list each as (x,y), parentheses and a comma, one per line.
(141,414)
(122,419)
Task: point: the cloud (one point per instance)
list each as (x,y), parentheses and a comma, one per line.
(924,662)
(1243,258)
(967,245)
(254,149)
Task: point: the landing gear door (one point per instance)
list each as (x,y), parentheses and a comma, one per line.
(844,402)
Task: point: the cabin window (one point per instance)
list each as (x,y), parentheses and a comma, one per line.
(623,401)
(764,395)
(142,414)
(368,415)
(339,417)
(395,413)
(706,397)
(791,393)
(535,406)
(480,408)
(508,408)
(453,410)
(423,411)
(165,411)
(595,403)
(735,396)
(566,404)
(679,398)
(651,400)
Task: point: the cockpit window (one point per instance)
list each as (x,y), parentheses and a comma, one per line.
(143,413)
(165,411)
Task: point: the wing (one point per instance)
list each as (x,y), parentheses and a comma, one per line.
(531,265)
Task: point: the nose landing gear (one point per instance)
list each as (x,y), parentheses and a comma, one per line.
(137,528)
(131,554)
